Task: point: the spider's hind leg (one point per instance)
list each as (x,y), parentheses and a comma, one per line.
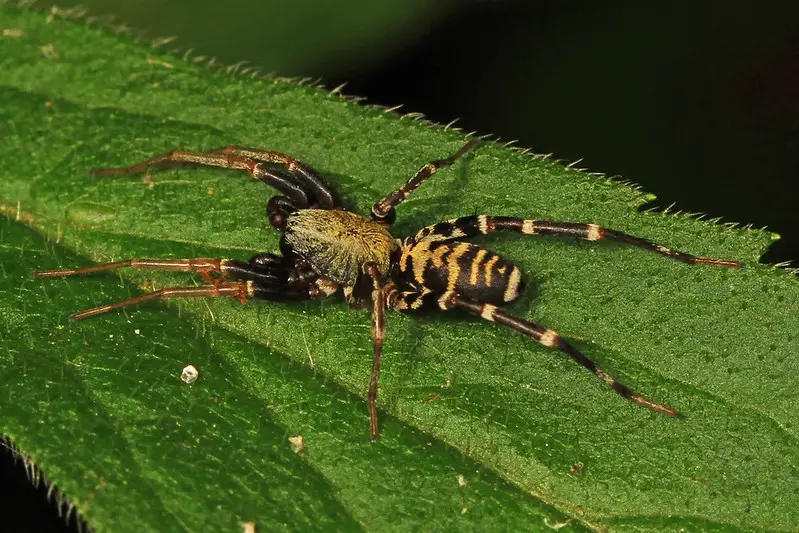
(409,301)
(550,339)
(471,226)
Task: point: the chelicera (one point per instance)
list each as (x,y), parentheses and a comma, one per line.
(325,248)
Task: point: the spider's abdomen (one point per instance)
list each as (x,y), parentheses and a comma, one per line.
(473,272)
(337,244)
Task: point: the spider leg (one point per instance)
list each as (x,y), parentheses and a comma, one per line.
(378,334)
(409,301)
(383,210)
(266,276)
(471,226)
(278,210)
(299,182)
(207,267)
(204,265)
(550,339)
(236,289)
(352,301)
(179,158)
(321,191)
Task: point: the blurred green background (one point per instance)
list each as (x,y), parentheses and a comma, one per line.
(698,102)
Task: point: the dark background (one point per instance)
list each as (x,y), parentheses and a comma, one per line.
(696,102)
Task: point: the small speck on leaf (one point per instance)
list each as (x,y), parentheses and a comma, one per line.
(49,51)
(297,443)
(189,374)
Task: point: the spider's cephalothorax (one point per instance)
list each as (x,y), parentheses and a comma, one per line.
(337,244)
(325,248)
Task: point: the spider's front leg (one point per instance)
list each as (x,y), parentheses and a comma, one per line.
(266,276)
(383,210)
(298,182)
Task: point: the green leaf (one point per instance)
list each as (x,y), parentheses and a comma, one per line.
(481,428)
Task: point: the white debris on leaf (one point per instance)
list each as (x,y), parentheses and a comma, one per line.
(189,374)
(248,527)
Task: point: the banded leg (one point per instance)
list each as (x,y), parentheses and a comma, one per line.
(406,301)
(470,226)
(212,270)
(239,290)
(322,194)
(550,339)
(298,182)
(179,158)
(206,266)
(265,276)
(383,210)
(378,334)
(268,271)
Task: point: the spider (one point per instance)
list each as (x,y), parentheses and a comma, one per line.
(325,248)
